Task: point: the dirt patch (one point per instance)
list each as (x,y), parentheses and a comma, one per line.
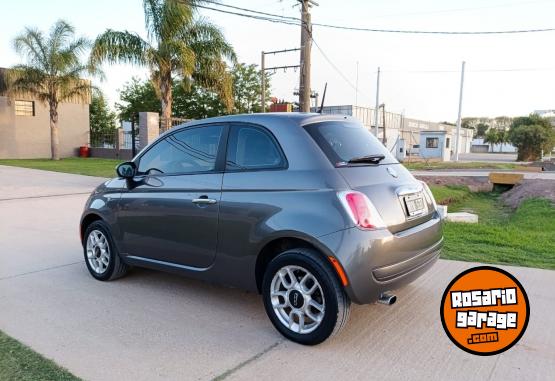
(529,189)
(475,184)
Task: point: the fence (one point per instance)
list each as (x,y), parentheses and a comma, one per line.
(116,143)
(125,142)
(166,125)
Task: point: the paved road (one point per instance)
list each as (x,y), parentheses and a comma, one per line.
(483,173)
(490,157)
(151,326)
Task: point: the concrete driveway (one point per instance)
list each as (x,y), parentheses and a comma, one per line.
(151,325)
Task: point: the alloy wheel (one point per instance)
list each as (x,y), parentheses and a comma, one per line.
(98,251)
(297,299)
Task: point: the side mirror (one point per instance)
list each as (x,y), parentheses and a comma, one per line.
(126,170)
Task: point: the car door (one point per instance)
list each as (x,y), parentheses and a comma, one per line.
(254,176)
(169,212)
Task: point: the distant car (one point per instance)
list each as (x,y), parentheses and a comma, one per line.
(309,210)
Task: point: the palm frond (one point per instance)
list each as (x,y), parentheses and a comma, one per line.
(206,38)
(60,33)
(31,45)
(153,15)
(26,81)
(213,75)
(120,47)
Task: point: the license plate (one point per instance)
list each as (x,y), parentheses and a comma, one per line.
(414,204)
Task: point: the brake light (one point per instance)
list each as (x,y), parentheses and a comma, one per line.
(361,210)
(429,195)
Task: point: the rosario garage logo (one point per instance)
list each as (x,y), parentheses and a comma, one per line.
(485,310)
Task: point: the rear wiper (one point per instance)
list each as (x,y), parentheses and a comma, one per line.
(373,159)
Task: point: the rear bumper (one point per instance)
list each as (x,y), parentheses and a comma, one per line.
(379,261)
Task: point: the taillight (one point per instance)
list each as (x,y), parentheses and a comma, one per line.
(361,210)
(429,195)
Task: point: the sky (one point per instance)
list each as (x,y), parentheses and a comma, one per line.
(420,74)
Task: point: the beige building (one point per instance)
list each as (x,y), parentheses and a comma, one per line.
(25,127)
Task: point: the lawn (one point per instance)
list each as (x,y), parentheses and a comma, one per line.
(445,195)
(421,165)
(81,166)
(525,237)
(18,362)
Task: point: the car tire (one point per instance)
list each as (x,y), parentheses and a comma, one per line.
(101,255)
(287,301)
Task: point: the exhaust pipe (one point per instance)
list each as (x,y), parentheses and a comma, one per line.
(386,298)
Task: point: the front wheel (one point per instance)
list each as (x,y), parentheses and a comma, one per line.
(101,256)
(303,297)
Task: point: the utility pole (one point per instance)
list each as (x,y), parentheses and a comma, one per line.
(459,117)
(376,109)
(356,89)
(264,69)
(262,83)
(384,139)
(306,46)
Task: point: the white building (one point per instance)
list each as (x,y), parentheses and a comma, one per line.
(402,132)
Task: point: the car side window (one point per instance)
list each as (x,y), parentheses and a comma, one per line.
(189,151)
(251,148)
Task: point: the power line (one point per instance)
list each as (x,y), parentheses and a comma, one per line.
(334,66)
(251,10)
(278,19)
(469,71)
(264,16)
(457,9)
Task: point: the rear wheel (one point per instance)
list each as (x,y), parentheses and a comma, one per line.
(303,297)
(101,256)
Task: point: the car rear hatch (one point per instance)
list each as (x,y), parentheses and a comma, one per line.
(368,167)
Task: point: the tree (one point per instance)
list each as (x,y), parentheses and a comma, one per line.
(481,129)
(137,96)
(180,47)
(102,120)
(491,137)
(197,102)
(246,88)
(502,138)
(531,134)
(53,73)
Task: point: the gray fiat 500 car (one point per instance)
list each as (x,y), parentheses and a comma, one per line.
(309,210)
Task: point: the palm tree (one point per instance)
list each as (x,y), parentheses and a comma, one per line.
(179,44)
(53,73)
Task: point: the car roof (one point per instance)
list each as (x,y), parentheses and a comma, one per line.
(298,118)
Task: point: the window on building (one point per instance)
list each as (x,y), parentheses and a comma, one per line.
(447,142)
(432,142)
(25,108)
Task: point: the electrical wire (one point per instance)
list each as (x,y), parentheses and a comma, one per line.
(264,16)
(338,71)
(251,10)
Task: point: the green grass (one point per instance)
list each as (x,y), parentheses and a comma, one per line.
(18,362)
(421,165)
(448,194)
(80,166)
(525,237)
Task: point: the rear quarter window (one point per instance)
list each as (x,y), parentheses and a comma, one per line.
(343,141)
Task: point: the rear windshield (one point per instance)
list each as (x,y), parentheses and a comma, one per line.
(344,141)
